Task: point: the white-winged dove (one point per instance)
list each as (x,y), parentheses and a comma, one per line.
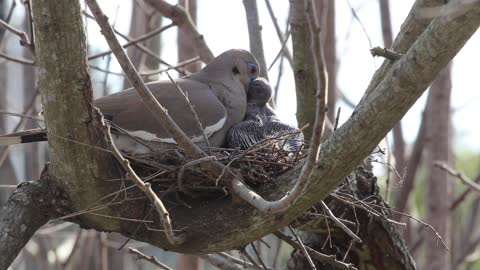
(261,122)
(217,93)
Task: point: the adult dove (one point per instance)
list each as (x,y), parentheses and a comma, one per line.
(217,94)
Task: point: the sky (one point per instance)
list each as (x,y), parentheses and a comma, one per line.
(223,25)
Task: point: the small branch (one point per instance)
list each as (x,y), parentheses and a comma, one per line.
(221,262)
(303,249)
(147,189)
(458,200)
(386,53)
(328,259)
(25,211)
(134,41)
(462,177)
(280,35)
(199,123)
(340,224)
(255,35)
(19,60)
(151,259)
(180,17)
(255,263)
(24,40)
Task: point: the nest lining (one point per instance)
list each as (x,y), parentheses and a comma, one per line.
(171,172)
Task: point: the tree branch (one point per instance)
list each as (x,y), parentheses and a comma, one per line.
(181,18)
(27,209)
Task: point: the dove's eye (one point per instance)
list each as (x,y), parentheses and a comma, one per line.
(252,71)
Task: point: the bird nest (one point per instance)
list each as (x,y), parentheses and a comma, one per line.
(172,172)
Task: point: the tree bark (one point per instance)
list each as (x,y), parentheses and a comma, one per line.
(79,165)
(303,67)
(26,210)
(439,186)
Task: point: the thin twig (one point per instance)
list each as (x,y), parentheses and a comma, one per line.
(199,123)
(340,224)
(134,41)
(19,60)
(147,189)
(461,176)
(303,249)
(222,262)
(280,35)
(151,259)
(255,263)
(255,35)
(328,259)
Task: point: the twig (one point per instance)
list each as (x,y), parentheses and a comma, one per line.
(134,41)
(280,35)
(19,60)
(258,255)
(222,262)
(26,116)
(386,53)
(328,259)
(462,177)
(337,119)
(152,54)
(24,40)
(199,123)
(190,164)
(147,189)
(255,263)
(458,200)
(303,249)
(151,259)
(180,17)
(255,35)
(340,224)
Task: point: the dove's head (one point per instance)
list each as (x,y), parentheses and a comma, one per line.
(234,64)
(259,92)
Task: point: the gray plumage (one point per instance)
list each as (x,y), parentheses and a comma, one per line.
(261,122)
(218,94)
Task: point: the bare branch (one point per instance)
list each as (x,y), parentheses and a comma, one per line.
(181,18)
(340,224)
(151,259)
(328,259)
(461,176)
(255,35)
(147,189)
(222,262)
(134,41)
(19,60)
(281,36)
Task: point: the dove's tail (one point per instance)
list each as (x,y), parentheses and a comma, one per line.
(27,136)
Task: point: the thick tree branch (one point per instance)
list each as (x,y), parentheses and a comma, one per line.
(29,208)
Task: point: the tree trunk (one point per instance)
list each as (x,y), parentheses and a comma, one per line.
(439,186)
